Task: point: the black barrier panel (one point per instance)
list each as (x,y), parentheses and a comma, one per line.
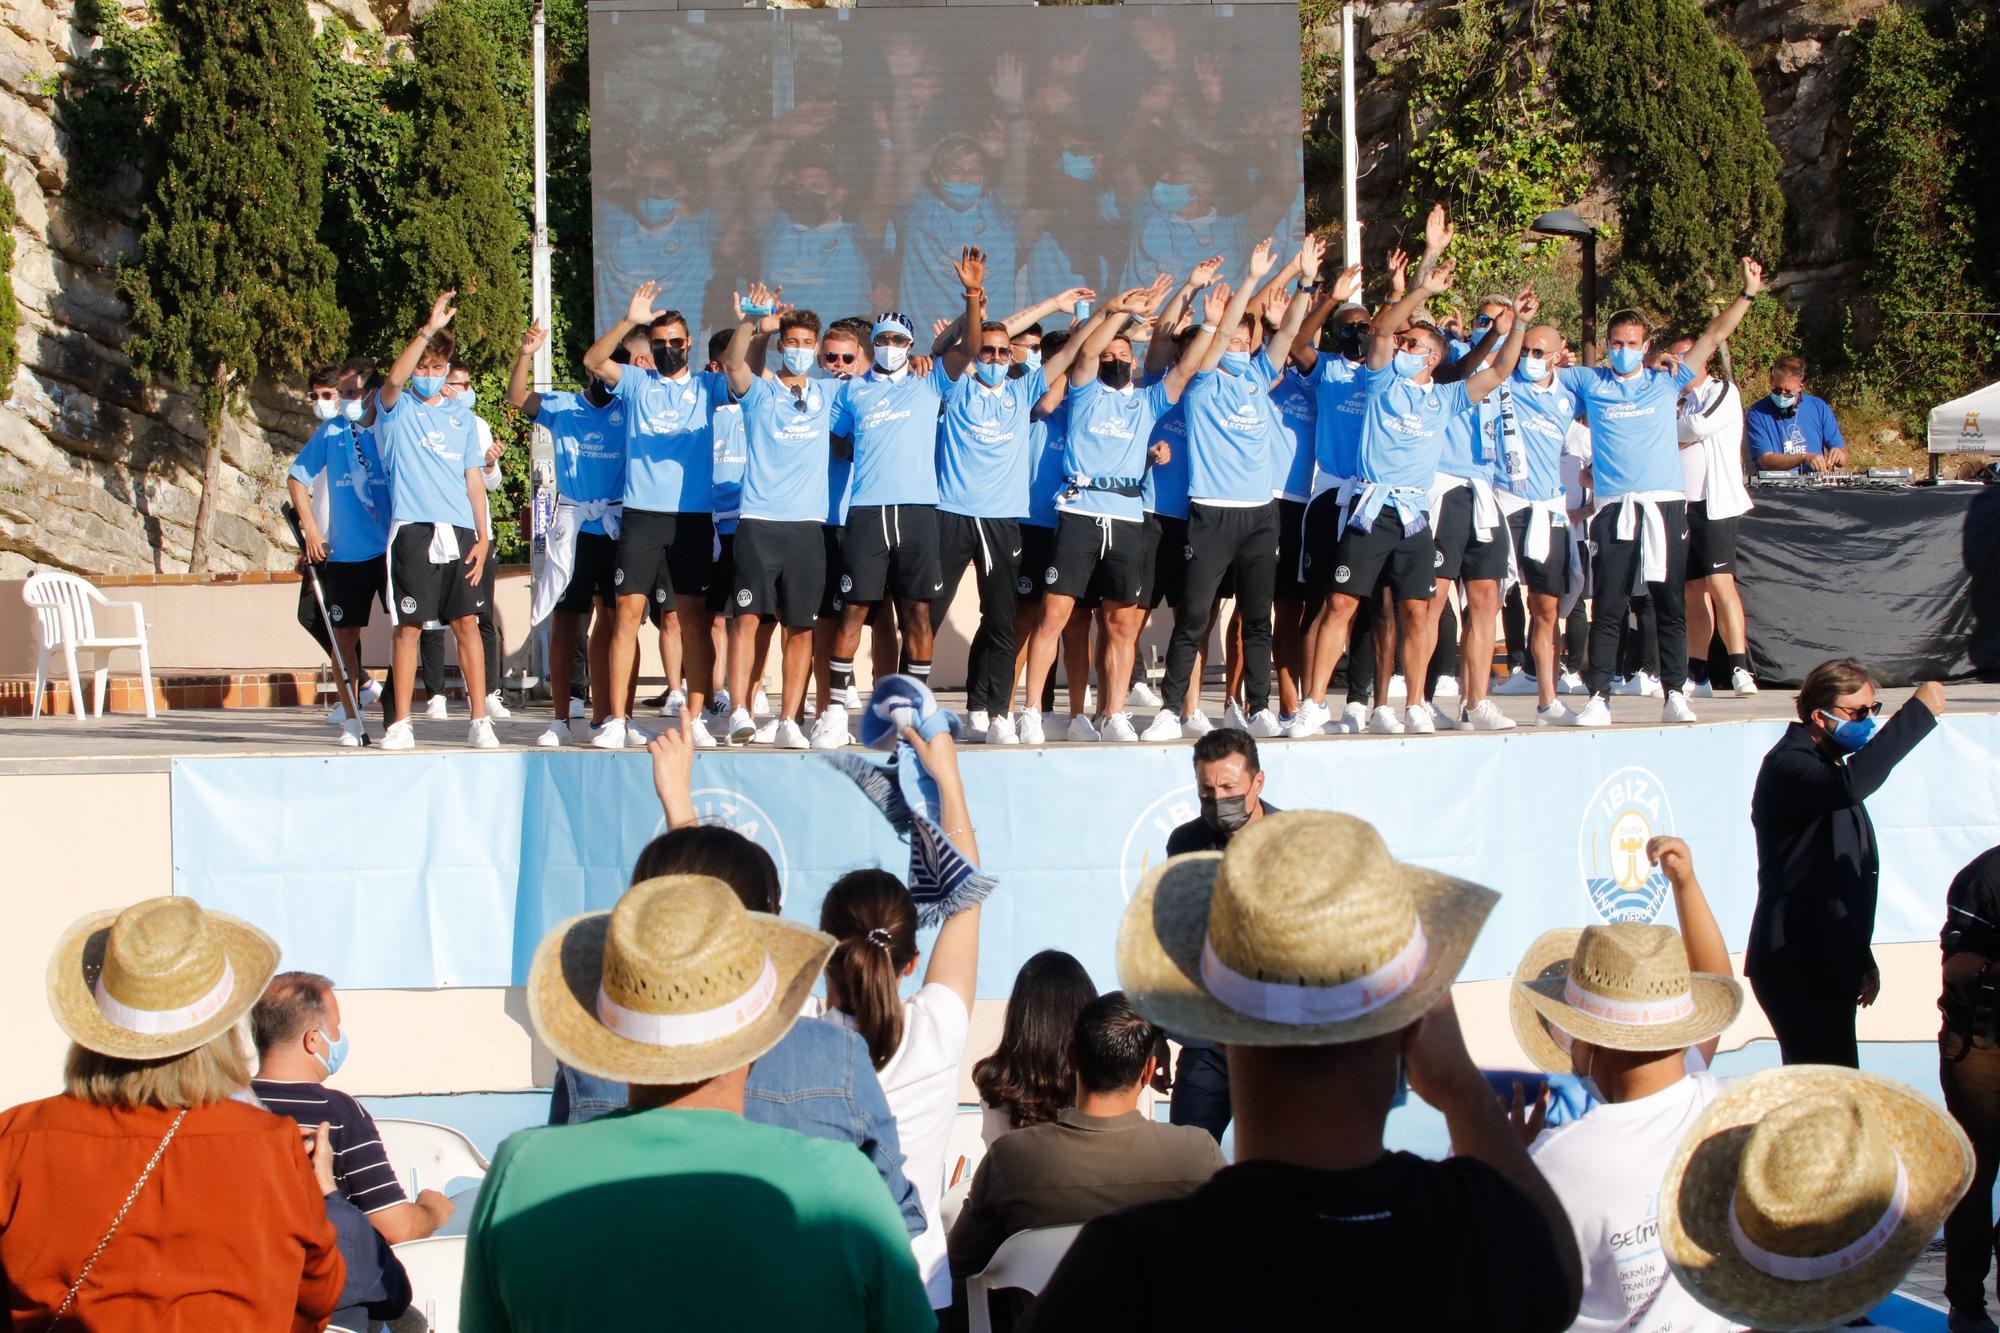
(848,154)
(1907,579)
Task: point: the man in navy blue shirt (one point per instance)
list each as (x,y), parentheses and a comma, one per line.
(1791,430)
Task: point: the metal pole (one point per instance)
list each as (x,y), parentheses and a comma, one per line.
(1350,145)
(540,297)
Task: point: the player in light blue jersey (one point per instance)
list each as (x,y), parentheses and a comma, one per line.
(438,541)
(1639,530)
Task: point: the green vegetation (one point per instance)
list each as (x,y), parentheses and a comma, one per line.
(10,313)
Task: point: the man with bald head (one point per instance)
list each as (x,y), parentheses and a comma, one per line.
(1535,416)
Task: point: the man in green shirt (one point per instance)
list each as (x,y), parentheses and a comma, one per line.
(677,1212)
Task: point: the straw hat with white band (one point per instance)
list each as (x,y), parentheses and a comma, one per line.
(1625,987)
(1305,932)
(676,984)
(1803,1194)
(158,979)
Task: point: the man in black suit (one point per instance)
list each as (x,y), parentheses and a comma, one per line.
(1809,960)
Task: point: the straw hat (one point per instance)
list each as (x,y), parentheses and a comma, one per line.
(1625,987)
(158,979)
(1306,932)
(676,984)
(1803,1194)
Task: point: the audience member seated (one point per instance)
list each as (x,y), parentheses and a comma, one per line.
(1096,1157)
(1790,430)
(1322,966)
(817,1080)
(376,1286)
(1624,1007)
(152,1192)
(300,1044)
(1029,1078)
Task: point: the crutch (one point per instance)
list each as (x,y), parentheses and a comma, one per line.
(343,684)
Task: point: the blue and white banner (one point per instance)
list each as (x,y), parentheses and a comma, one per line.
(446,869)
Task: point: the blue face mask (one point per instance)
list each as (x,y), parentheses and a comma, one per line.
(426,386)
(1531,370)
(467,400)
(1407,364)
(1078,167)
(1170,198)
(1784,402)
(1625,360)
(336,1052)
(1236,363)
(799,360)
(990,372)
(1030,359)
(653,212)
(1851,733)
(961,194)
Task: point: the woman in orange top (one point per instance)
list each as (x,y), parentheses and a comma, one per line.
(147,1196)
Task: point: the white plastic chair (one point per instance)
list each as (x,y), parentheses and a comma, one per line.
(1024,1262)
(436,1266)
(64,604)
(429,1156)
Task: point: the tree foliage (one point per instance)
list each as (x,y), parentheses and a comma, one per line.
(10,313)
(361,93)
(106,103)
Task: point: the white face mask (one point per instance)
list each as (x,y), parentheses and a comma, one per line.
(889,360)
(353,409)
(326,409)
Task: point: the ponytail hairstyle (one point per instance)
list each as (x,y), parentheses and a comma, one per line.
(875,920)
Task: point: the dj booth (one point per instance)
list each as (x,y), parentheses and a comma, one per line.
(1903,577)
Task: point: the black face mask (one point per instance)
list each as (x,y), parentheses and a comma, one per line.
(669,361)
(1225,814)
(1353,340)
(1114,374)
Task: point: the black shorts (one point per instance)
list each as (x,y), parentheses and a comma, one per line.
(1548,577)
(1711,542)
(1325,522)
(1291,584)
(425,592)
(1038,556)
(891,551)
(722,579)
(352,588)
(1166,561)
(1106,560)
(833,569)
(1460,553)
(664,556)
(1384,556)
(779,571)
(590,576)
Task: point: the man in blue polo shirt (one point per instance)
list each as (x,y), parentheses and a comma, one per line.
(1525,440)
(438,539)
(1790,430)
(1639,530)
(666,541)
(587,433)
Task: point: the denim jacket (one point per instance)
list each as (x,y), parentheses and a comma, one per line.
(817,1081)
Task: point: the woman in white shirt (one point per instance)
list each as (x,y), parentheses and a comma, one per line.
(917,1044)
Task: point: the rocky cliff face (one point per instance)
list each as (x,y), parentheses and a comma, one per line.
(98,474)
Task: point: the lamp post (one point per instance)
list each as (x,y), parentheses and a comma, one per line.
(1350,145)
(1565,222)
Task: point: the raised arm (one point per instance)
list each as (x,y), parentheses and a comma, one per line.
(1306,267)
(1522,317)
(1215,304)
(955,955)
(1056,369)
(1438,233)
(1160,351)
(638,315)
(1046,309)
(749,324)
(1729,317)
(1219,333)
(1706,951)
(971,271)
(1382,342)
(405,365)
(525,400)
(1305,342)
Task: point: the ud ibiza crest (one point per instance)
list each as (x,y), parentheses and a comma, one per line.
(1628,809)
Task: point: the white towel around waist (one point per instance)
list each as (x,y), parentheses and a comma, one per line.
(1539,526)
(1639,516)
(1485,513)
(559,550)
(443,551)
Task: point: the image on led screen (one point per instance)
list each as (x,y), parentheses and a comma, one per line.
(849,154)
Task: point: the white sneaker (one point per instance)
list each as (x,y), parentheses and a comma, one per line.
(480,734)
(830,729)
(1556,714)
(555,737)
(1447,688)
(790,736)
(1442,719)
(1596,713)
(1165,727)
(1310,720)
(1000,731)
(1233,716)
(1384,722)
(721,703)
(1118,727)
(699,734)
(1569,682)
(1742,682)
(1264,725)
(1397,685)
(437,710)
(1082,731)
(1029,727)
(497,706)
(1420,719)
(849,698)
(1354,719)
(977,724)
(1676,709)
(1485,716)
(676,700)
(1700,689)
(760,704)
(1515,683)
(610,736)
(638,738)
(350,735)
(400,736)
(1197,724)
(742,727)
(766,734)
(1643,684)
(1143,694)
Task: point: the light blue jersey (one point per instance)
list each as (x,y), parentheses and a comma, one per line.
(1110,432)
(428,451)
(1170,243)
(1046,446)
(679,254)
(725,482)
(590,449)
(1543,417)
(1166,487)
(820,268)
(1465,453)
(930,235)
(1634,441)
(1403,432)
(893,421)
(1229,437)
(669,439)
(983,459)
(1295,405)
(1340,387)
(786,478)
(357,488)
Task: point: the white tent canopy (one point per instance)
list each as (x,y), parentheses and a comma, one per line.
(1968,425)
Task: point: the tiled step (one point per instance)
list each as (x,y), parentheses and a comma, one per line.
(299,687)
